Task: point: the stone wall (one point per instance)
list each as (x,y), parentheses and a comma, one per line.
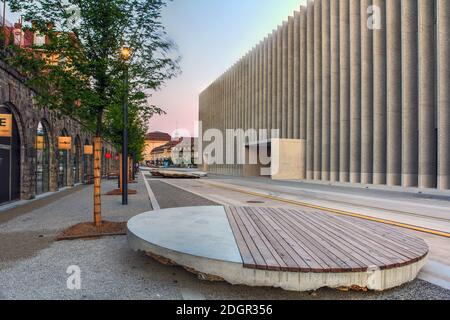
(18,98)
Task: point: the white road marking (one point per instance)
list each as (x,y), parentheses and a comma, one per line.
(151,195)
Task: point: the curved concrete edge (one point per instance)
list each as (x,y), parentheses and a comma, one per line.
(236,274)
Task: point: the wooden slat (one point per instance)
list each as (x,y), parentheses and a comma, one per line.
(397,236)
(261,242)
(308,241)
(258,259)
(355,260)
(292,261)
(284,261)
(407,250)
(243,248)
(354,245)
(299,244)
(317,244)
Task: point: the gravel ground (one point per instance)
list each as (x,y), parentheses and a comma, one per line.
(29,232)
(109,270)
(33,266)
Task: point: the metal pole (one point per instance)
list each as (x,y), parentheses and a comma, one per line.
(4,24)
(125,141)
(4,13)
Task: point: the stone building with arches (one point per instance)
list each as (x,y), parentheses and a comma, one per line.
(31,161)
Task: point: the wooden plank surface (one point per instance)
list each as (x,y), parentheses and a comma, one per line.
(314,241)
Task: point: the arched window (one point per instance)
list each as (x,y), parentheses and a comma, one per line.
(76,149)
(63,161)
(42,160)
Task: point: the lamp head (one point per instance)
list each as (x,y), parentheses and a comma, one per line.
(125,53)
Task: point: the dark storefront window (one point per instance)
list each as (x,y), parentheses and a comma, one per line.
(10,162)
(76,160)
(42,160)
(63,161)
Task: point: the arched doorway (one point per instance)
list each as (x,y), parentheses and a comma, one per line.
(76,160)
(9,160)
(63,162)
(42,159)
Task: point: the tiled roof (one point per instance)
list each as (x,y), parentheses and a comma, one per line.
(167,146)
(158,136)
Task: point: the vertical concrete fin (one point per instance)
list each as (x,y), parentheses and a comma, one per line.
(344,76)
(427,95)
(380,121)
(310,94)
(334,90)
(410,93)
(394,92)
(366,94)
(443,10)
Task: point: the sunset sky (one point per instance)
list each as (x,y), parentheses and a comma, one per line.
(211,35)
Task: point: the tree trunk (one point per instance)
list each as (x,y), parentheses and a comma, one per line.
(97,181)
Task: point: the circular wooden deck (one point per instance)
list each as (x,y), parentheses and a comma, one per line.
(287,248)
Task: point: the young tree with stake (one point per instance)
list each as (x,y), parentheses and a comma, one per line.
(78,72)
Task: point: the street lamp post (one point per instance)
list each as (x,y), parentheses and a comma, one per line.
(126,53)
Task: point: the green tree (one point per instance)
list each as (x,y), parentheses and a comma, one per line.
(79,71)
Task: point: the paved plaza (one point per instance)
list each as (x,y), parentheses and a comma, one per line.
(33,265)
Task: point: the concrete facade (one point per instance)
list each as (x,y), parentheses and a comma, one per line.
(368,105)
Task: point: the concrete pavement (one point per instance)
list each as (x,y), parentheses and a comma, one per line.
(430,211)
(110,270)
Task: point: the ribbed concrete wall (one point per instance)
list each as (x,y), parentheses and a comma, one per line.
(370,106)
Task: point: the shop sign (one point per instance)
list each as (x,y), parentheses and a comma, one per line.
(64,143)
(6,125)
(88,149)
(40,143)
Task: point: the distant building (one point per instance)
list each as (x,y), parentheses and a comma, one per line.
(154,140)
(164,153)
(185,152)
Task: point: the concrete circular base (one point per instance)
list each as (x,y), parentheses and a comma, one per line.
(201,240)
